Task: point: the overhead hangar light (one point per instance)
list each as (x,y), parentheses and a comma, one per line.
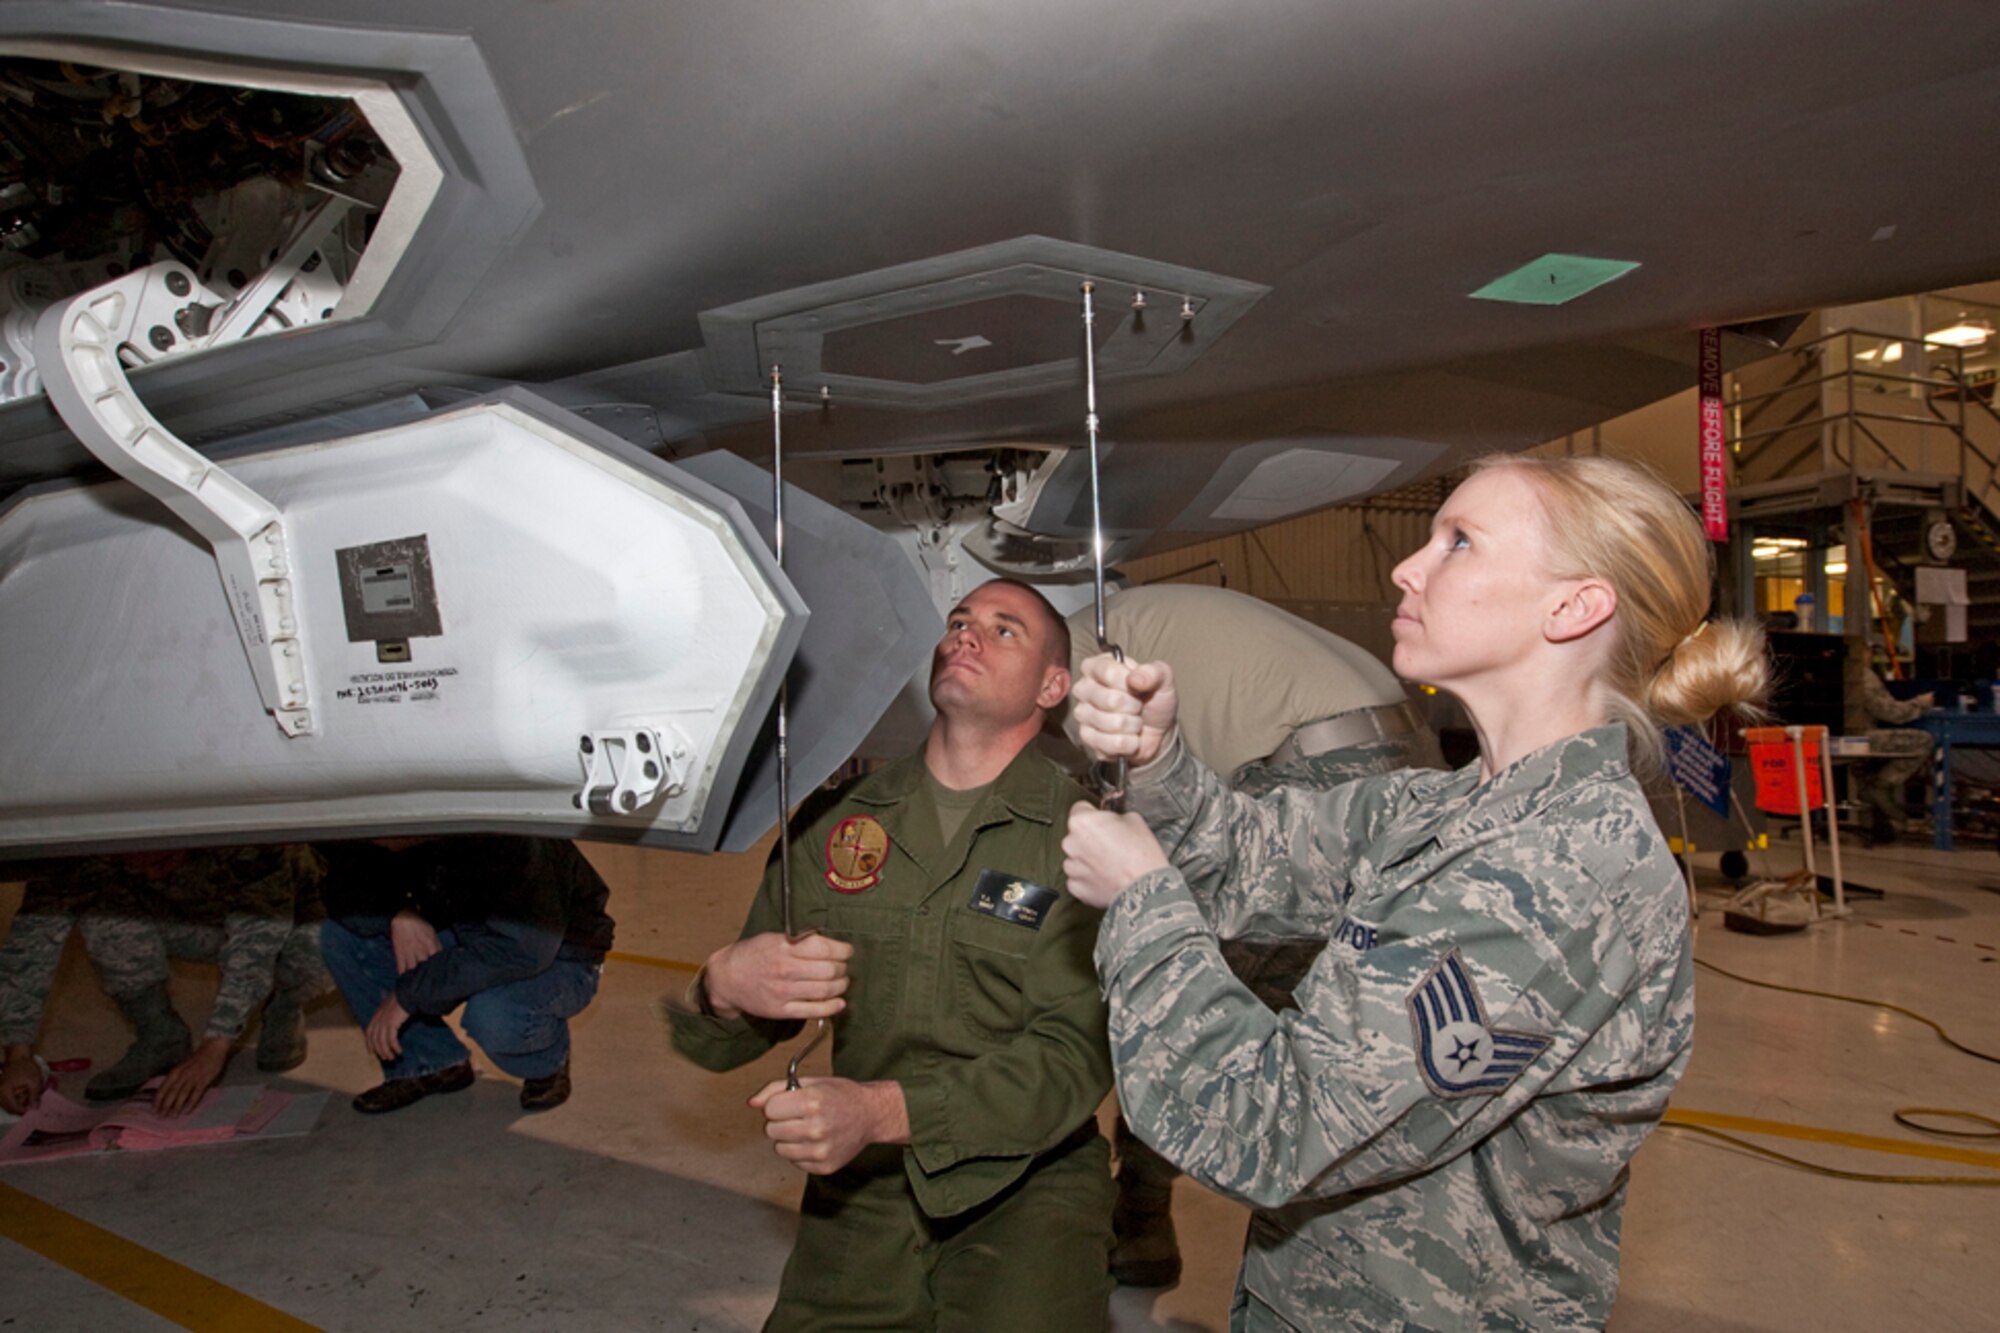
(1771,548)
(1965,333)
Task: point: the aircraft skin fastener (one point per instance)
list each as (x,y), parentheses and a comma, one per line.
(626,770)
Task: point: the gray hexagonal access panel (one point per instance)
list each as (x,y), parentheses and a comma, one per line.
(990,322)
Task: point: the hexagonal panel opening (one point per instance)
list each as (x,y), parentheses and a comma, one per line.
(289,195)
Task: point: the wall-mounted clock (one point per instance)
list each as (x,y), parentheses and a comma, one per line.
(1941,540)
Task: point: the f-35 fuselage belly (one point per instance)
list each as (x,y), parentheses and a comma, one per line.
(491,607)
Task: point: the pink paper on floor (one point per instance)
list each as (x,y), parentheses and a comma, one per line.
(58,1127)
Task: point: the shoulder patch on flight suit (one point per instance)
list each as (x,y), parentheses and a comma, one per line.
(1011,898)
(855,853)
(1458,1052)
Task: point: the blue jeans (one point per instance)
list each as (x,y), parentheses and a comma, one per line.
(523,1026)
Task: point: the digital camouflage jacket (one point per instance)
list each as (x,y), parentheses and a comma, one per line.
(1437,1138)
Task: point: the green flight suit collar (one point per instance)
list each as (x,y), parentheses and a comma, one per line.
(1022,791)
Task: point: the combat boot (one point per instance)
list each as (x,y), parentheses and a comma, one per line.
(281,1035)
(162,1042)
(1145,1252)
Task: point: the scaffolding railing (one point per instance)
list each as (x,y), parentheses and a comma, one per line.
(1859,401)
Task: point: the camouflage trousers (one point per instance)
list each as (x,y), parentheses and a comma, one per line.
(1273,968)
(130,953)
(1908,752)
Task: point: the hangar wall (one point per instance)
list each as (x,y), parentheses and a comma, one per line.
(1337,555)
(1664,436)
(1345,554)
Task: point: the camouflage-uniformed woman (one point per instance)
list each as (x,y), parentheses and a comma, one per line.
(1437,1139)
(252,911)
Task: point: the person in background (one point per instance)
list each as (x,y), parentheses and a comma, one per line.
(1907,751)
(254,912)
(513,929)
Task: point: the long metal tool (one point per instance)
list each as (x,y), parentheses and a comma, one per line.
(784,707)
(1113,796)
(784,683)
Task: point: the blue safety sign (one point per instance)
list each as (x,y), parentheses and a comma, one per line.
(1700,768)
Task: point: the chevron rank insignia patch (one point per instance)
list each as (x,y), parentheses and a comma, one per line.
(1459,1053)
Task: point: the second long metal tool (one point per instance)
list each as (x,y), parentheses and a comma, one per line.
(1113,795)
(784,709)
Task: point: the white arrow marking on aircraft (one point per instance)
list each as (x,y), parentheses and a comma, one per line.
(960,346)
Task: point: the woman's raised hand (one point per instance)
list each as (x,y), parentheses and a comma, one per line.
(1103,853)
(1122,709)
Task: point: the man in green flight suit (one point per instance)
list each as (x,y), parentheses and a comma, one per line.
(957,1178)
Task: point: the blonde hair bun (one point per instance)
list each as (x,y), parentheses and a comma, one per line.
(1721,669)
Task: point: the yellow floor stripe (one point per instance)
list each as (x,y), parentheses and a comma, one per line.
(170,1290)
(1743,1124)
(671,964)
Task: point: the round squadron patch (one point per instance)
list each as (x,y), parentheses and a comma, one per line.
(855,853)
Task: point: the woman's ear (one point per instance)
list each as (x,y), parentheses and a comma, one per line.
(1587,604)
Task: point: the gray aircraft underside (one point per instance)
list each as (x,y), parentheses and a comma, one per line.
(573,241)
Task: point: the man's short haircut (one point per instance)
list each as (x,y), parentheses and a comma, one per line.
(1056,646)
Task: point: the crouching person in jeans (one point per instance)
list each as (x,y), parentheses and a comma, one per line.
(514,929)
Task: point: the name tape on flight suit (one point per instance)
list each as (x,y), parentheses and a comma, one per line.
(1011,898)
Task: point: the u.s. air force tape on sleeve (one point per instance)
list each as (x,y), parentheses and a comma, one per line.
(1011,898)
(1459,1053)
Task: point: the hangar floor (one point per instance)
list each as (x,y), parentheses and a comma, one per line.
(651,1202)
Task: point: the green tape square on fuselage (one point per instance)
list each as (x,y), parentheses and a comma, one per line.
(1554,279)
